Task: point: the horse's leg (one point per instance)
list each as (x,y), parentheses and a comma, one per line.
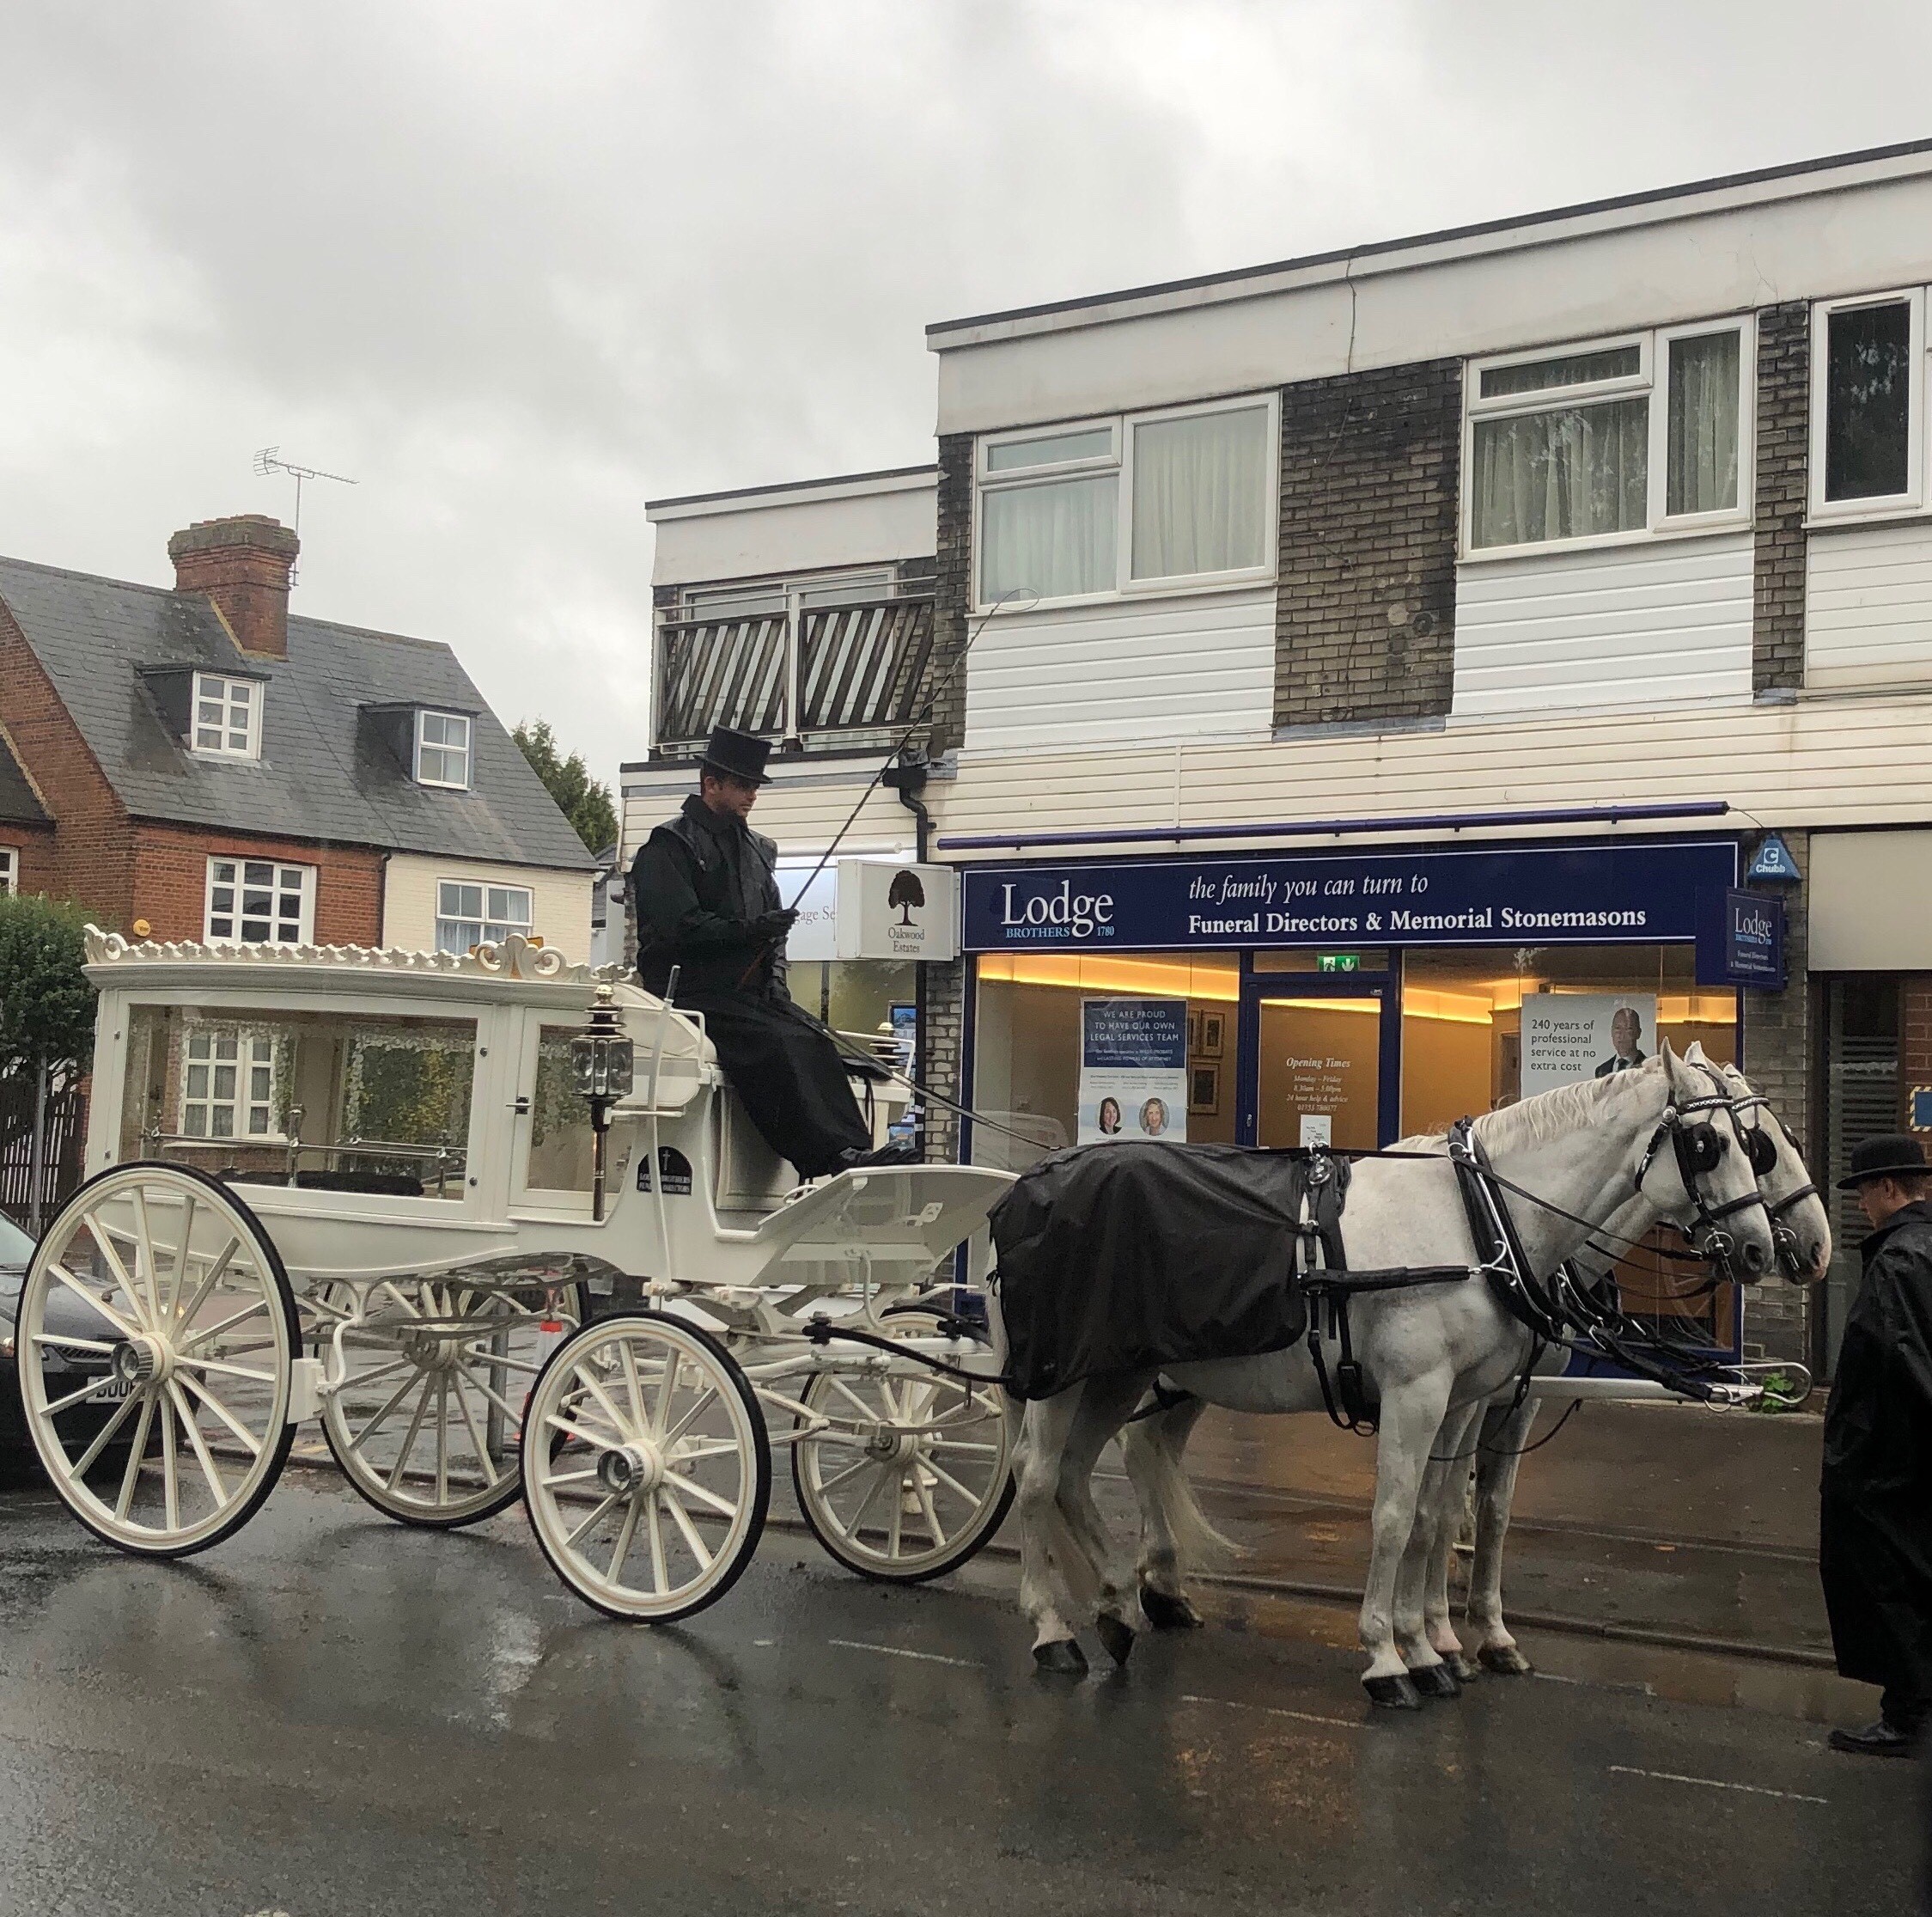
(1505,1432)
(1152,1448)
(1043,1438)
(1459,1440)
(1440,1471)
(1106,1406)
(1412,1415)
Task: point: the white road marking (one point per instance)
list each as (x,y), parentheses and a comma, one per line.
(1716,1784)
(897,1650)
(1276,1711)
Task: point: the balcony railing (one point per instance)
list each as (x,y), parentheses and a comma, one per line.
(803,674)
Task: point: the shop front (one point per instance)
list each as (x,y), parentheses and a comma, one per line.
(1347,998)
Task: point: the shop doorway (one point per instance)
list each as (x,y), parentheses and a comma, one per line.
(1319,1061)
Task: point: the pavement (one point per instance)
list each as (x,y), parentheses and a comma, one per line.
(333,1716)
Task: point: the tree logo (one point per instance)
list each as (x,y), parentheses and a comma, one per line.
(903,894)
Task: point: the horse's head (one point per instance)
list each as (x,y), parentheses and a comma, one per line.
(1800,1225)
(1697,1169)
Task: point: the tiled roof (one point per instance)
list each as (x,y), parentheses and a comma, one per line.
(323,774)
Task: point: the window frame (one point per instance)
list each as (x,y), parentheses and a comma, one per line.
(484,921)
(1120,461)
(9,872)
(423,714)
(306,920)
(229,682)
(1650,382)
(1889,506)
(247,1038)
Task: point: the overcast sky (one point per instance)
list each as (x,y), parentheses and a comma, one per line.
(518,268)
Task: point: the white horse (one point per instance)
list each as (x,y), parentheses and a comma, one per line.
(1653,1143)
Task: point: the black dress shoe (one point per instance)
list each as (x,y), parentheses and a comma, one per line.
(1882,1739)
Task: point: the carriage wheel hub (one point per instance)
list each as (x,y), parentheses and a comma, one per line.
(430,1352)
(635,1467)
(140,1360)
(886,1446)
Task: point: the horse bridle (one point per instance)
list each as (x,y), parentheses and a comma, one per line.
(1761,1148)
(1698,1147)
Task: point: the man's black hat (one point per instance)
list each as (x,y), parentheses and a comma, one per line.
(740,753)
(1897,1155)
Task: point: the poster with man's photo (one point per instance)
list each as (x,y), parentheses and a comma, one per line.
(1133,1069)
(1582,1034)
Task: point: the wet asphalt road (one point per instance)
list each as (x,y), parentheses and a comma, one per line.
(334,1717)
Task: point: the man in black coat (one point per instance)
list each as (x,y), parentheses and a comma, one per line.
(707,902)
(1875,1530)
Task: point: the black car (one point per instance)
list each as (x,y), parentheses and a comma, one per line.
(64,1314)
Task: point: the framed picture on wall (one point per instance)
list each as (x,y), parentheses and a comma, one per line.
(1203,1088)
(1193,1031)
(1211,1024)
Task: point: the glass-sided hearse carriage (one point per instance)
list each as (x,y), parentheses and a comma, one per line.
(370,1187)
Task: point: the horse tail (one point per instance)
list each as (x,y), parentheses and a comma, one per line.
(1155,1466)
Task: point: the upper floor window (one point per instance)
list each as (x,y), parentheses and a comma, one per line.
(442,750)
(1867,404)
(9,870)
(259,902)
(228,715)
(470,915)
(227,1083)
(1613,439)
(1151,501)
(763,598)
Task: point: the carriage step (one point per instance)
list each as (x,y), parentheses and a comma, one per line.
(305,1390)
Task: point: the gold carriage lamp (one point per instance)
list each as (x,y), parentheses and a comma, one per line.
(602,1066)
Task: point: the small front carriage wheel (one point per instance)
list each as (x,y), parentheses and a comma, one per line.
(156,1340)
(912,1475)
(646,1467)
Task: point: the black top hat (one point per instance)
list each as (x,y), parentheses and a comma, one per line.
(740,753)
(1897,1155)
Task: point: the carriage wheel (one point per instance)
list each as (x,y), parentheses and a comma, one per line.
(914,1475)
(427,1423)
(646,1469)
(156,1341)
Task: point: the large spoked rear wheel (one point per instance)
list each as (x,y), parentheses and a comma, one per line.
(646,1467)
(912,1475)
(428,1422)
(156,1340)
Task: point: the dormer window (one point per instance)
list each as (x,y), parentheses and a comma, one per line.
(442,750)
(227,716)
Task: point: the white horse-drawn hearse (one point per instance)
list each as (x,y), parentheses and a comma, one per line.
(383,1189)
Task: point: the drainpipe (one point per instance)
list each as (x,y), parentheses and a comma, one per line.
(908,778)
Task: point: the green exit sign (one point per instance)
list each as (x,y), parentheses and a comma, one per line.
(1338,961)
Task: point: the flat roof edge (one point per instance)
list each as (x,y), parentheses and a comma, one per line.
(832,483)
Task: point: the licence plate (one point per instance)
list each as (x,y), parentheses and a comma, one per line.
(111,1393)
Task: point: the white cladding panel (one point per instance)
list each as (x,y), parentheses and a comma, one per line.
(1525,287)
(1614,625)
(559,903)
(1868,606)
(1133,671)
(765,535)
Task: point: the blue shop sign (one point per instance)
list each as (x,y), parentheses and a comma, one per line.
(1623,893)
(1747,945)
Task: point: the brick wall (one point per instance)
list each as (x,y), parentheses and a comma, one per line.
(1778,546)
(945,1054)
(953,586)
(170,884)
(1915,1039)
(1365,617)
(89,860)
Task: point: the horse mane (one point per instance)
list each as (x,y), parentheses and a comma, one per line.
(1549,1115)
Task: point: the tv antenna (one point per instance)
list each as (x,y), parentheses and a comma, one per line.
(269,461)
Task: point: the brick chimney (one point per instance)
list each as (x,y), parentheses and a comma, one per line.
(242,564)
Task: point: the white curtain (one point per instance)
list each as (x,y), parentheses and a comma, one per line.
(1200,488)
(1052,540)
(1561,474)
(1703,472)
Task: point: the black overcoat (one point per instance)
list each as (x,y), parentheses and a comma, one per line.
(700,883)
(1875,1540)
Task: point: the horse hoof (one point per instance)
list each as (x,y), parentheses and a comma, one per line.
(1117,1635)
(1464,1671)
(1505,1660)
(1436,1681)
(1392,1693)
(1061,1658)
(1165,1611)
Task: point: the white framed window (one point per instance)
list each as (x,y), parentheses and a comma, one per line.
(477,914)
(1609,439)
(259,902)
(227,718)
(9,869)
(1867,404)
(442,750)
(767,598)
(1151,501)
(227,1083)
